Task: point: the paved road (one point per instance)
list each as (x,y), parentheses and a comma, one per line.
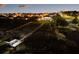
(24,31)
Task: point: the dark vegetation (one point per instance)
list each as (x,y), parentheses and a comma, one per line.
(45,41)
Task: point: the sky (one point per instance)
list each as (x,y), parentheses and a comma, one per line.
(37,8)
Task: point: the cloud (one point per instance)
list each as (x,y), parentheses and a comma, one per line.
(2,5)
(22,6)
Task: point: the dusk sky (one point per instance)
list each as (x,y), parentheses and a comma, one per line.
(33,8)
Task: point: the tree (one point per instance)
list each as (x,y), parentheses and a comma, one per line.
(75,14)
(58,20)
